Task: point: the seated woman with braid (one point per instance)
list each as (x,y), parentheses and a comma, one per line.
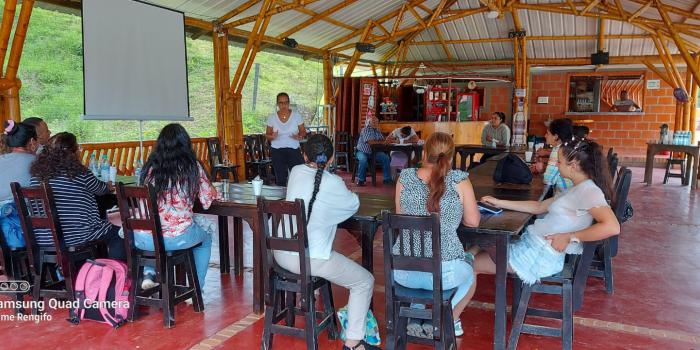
(328,203)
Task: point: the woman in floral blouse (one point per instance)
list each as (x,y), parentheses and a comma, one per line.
(178,179)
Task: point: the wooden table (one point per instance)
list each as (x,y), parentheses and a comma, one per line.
(498,230)
(240,203)
(387,148)
(467,151)
(693,153)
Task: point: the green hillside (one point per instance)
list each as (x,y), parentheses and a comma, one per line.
(52,83)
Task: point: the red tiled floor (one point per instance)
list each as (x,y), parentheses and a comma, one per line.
(656,289)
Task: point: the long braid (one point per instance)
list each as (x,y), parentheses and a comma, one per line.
(318,150)
(317,185)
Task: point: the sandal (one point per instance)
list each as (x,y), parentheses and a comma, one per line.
(363,344)
(414,328)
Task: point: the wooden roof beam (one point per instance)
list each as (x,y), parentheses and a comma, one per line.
(399,19)
(417,16)
(640,11)
(591,5)
(272,12)
(383,19)
(330,20)
(573,7)
(680,43)
(442,41)
(238,10)
(356,55)
(673,9)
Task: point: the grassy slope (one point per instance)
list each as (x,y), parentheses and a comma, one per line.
(52,83)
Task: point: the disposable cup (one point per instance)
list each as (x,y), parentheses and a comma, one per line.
(530,145)
(528,156)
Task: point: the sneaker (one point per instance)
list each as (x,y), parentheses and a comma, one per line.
(388,182)
(189,302)
(148,282)
(458,329)
(360,183)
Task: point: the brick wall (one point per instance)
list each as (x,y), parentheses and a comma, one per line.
(628,134)
(500,99)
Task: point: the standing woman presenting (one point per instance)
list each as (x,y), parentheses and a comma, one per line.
(285,128)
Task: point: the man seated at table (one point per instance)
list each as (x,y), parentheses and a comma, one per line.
(624,104)
(404,135)
(370,135)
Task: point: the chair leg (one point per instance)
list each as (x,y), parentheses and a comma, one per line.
(668,170)
(38,283)
(448,328)
(310,324)
(517,291)
(329,309)
(167,294)
(290,302)
(390,323)
(193,281)
(401,327)
(567,324)
(134,290)
(270,311)
(519,317)
(607,264)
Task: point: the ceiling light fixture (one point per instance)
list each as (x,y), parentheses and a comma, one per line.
(493,14)
(289,42)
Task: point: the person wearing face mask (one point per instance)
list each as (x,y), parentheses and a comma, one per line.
(42,131)
(19,141)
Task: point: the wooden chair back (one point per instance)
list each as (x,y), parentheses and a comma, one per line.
(215,153)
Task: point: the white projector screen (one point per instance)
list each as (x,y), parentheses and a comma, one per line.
(134,61)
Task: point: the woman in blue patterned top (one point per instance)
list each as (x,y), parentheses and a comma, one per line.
(435,187)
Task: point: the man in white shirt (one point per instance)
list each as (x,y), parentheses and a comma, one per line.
(624,104)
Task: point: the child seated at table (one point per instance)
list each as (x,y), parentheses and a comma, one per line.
(569,217)
(328,203)
(435,187)
(174,172)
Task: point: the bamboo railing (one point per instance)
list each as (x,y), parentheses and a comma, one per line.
(124,155)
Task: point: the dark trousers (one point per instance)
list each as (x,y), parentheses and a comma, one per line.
(115,244)
(283,160)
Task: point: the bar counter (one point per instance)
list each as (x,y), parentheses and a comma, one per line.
(462,132)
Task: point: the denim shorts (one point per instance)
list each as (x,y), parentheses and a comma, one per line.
(455,274)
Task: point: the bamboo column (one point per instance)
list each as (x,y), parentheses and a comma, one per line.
(231,103)
(221,81)
(689,82)
(694,106)
(328,98)
(10,94)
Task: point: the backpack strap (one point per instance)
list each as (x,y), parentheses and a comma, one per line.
(107,275)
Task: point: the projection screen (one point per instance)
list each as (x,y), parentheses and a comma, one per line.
(134,61)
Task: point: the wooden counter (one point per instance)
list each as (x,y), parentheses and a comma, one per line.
(463,132)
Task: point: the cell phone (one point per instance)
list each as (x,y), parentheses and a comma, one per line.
(488,208)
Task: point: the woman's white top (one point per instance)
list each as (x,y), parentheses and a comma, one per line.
(285,130)
(334,204)
(570,212)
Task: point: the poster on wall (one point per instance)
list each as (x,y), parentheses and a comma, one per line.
(368,99)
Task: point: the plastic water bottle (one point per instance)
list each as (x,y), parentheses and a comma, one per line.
(104,170)
(137,172)
(93,164)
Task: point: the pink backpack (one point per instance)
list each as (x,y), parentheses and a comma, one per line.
(102,292)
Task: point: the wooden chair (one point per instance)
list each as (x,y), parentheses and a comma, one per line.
(343,145)
(287,235)
(257,159)
(399,298)
(139,211)
(601,266)
(216,162)
(37,210)
(15,267)
(613,162)
(670,162)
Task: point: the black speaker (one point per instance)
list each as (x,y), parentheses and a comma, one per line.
(600,58)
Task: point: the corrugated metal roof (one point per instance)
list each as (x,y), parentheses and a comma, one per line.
(478,26)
